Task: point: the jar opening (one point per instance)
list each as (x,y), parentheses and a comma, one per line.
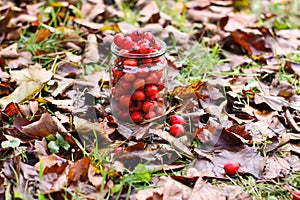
(127,54)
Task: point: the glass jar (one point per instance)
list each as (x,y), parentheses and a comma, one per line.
(138,83)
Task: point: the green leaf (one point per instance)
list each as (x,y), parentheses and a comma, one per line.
(53,147)
(61,142)
(13,143)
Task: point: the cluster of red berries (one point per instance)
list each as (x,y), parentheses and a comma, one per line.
(176,128)
(137,42)
(137,79)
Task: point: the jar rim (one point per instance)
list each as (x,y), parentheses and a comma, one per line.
(118,52)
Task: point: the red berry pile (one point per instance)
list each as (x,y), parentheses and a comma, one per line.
(137,77)
(176,128)
(231,167)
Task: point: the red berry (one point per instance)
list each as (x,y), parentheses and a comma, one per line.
(147,61)
(177,119)
(150,115)
(156,46)
(138,95)
(129,77)
(296,195)
(118,40)
(127,43)
(148,36)
(125,100)
(117,72)
(177,130)
(130,62)
(136,106)
(147,105)
(231,167)
(135,35)
(160,86)
(142,72)
(151,90)
(136,117)
(124,85)
(152,78)
(144,48)
(139,83)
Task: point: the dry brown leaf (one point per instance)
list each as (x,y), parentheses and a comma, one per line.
(149,13)
(42,128)
(94,178)
(79,170)
(275,167)
(180,144)
(52,164)
(10,51)
(91,52)
(249,160)
(205,191)
(41,35)
(30,80)
(86,131)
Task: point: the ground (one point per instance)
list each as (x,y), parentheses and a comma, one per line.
(233,75)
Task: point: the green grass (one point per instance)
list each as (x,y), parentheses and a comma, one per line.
(197,62)
(286,13)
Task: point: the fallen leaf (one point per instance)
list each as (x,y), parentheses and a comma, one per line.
(52,164)
(91,52)
(86,130)
(248,158)
(41,35)
(42,128)
(10,51)
(204,191)
(275,167)
(30,82)
(94,178)
(79,170)
(293,67)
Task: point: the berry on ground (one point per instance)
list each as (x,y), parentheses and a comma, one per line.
(296,195)
(231,167)
(177,130)
(177,119)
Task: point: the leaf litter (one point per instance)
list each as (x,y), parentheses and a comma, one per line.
(56,82)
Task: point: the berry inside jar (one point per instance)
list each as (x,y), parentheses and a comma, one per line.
(138,77)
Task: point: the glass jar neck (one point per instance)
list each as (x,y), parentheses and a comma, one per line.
(127,54)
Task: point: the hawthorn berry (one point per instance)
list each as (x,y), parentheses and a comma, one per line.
(177,130)
(177,119)
(139,83)
(231,167)
(125,100)
(130,62)
(129,77)
(136,117)
(135,35)
(152,78)
(296,195)
(124,85)
(148,36)
(117,72)
(148,105)
(151,90)
(138,95)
